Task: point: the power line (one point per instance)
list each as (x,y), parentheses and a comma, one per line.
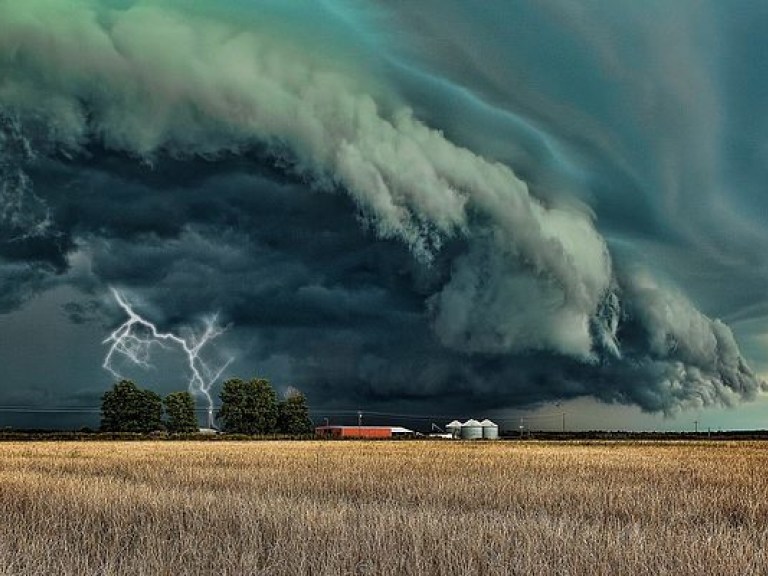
(318,412)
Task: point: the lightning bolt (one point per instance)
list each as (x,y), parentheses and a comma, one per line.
(134,340)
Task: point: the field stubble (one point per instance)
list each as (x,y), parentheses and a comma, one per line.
(322,508)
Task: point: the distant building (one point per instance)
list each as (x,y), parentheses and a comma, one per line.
(362,431)
(490,430)
(473,430)
(454,429)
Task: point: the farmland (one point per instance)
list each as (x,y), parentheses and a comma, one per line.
(410,507)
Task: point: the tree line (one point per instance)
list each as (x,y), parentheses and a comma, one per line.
(247,407)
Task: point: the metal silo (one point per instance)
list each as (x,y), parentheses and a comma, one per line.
(490,430)
(454,429)
(471,430)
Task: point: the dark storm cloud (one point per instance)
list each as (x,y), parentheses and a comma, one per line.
(352,208)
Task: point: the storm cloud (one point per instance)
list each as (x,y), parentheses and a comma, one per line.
(383,215)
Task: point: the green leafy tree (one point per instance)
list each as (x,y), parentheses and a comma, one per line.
(180,412)
(248,407)
(233,413)
(293,414)
(128,408)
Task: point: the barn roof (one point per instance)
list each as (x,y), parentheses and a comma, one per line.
(393,428)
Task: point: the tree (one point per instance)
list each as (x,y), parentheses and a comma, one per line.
(293,414)
(180,412)
(127,408)
(248,407)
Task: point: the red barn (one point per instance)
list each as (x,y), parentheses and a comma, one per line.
(361,431)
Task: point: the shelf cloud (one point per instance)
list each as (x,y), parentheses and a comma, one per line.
(385,214)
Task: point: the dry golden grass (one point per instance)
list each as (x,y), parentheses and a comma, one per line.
(154,508)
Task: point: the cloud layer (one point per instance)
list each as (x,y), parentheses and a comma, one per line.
(274,163)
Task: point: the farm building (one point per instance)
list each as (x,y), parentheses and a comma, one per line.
(454,429)
(473,430)
(490,430)
(362,431)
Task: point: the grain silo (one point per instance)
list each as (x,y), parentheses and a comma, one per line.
(471,430)
(490,430)
(454,429)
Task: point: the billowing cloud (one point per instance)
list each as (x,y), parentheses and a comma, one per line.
(270,162)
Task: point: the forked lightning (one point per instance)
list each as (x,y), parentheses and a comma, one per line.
(134,339)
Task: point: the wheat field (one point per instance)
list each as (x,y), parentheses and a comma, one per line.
(411,507)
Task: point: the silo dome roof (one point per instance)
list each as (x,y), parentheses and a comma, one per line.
(471,422)
(488,423)
(454,424)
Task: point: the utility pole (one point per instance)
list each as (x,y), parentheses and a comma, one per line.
(210,417)
(563,422)
(696,426)
(359,422)
(522,426)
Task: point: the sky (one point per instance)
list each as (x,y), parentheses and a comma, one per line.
(427,208)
